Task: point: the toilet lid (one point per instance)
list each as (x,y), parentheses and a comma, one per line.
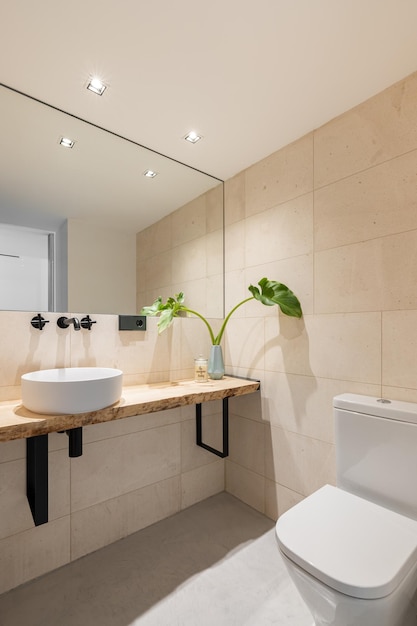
(352,545)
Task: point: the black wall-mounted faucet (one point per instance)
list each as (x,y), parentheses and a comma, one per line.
(65,322)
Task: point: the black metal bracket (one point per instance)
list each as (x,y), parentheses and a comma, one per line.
(75,443)
(37,470)
(198,415)
(37,477)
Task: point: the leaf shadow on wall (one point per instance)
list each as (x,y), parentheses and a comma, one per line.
(289,384)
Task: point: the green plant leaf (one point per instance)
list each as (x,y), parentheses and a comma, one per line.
(166,318)
(273,292)
(153,309)
(167,311)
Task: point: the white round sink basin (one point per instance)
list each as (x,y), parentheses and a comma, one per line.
(71,389)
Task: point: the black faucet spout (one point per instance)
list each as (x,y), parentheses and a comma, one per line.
(75,322)
(64,322)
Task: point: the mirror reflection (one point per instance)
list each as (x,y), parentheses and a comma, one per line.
(83,229)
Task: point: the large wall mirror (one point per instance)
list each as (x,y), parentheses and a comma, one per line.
(116,238)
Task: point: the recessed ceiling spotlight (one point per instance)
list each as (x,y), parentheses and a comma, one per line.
(150,173)
(193,137)
(96,86)
(66,142)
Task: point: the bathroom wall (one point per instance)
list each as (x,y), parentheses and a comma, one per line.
(132,473)
(97,258)
(334,216)
(184,252)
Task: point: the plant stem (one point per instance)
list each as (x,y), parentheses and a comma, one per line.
(213,341)
(217,340)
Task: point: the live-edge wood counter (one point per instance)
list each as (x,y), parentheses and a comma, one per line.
(16,422)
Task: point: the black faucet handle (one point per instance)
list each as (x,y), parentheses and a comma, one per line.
(87,322)
(38,321)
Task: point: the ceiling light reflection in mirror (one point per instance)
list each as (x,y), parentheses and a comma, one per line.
(100,180)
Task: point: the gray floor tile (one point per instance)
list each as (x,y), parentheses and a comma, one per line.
(215,563)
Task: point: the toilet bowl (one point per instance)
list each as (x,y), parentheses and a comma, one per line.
(351,550)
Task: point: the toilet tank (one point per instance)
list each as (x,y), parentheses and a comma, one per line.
(376,450)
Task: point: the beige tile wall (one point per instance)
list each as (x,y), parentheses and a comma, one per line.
(333,215)
(132,473)
(184,252)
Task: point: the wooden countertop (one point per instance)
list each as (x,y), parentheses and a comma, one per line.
(16,422)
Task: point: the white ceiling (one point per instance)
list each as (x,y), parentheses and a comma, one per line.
(249,76)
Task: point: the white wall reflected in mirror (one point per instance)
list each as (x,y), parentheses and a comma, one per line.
(26,267)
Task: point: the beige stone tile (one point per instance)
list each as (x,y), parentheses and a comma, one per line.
(214,253)
(16,516)
(377,202)
(162,234)
(297,273)
(112,467)
(245,485)
(10,393)
(279,499)
(342,347)
(153,240)
(214,289)
(195,341)
(195,293)
(249,406)
(34,552)
(189,222)
(283,175)
(129,425)
(304,404)
(247,443)
(399,393)
(12,450)
(29,349)
(235,246)
(101,267)
(245,341)
(157,270)
(399,342)
(282,231)
(104,523)
(57,441)
(131,351)
(214,208)
(190,261)
(236,291)
(299,463)
(234,195)
(254,374)
(369,276)
(377,130)
(59,484)
(144,247)
(153,503)
(201,483)
(192,455)
(99,525)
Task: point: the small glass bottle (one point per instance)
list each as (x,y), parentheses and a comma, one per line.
(200,370)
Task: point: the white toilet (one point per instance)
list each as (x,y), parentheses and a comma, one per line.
(351,550)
